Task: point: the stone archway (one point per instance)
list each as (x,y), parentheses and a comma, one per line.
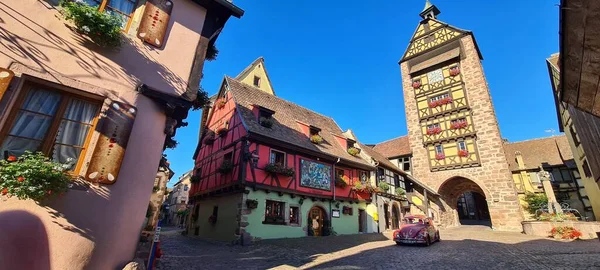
(465,203)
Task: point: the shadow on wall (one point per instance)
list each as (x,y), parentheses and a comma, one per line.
(24,242)
(119,67)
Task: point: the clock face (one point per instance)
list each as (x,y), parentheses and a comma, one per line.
(435,76)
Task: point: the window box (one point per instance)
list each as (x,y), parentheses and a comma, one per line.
(103,28)
(400,192)
(226,167)
(440,102)
(276,168)
(316,139)
(222,131)
(342,181)
(353,151)
(434,130)
(266,122)
(221,103)
(459,124)
(463,153)
(416,84)
(21,177)
(384,186)
(209,138)
(440,156)
(454,71)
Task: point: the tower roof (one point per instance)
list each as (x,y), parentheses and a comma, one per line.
(430,11)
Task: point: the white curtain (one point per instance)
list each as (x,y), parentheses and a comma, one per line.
(72,132)
(32,122)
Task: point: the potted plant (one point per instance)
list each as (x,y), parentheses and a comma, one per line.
(400,191)
(226,167)
(416,84)
(454,71)
(440,156)
(358,187)
(353,151)
(222,131)
(102,28)
(463,153)
(316,139)
(434,130)
(33,176)
(565,232)
(221,103)
(342,181)
(209,138)
(266,122)
(276,168)
(251,204)
(384,186)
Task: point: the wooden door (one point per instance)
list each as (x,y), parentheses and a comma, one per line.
(362,220)
(315,217)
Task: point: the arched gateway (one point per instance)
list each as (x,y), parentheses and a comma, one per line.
(464,202)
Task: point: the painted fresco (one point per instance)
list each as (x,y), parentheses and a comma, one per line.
(315,175)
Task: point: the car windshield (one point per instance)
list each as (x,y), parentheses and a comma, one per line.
(414,220)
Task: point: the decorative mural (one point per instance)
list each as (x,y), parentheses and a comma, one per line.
(315,175)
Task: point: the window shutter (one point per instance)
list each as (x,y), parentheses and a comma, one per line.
(110,149)
(155,21)
(5,78)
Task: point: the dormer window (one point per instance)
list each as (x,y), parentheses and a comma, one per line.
(350,147)
(265,117)
(314,135)
(256,81)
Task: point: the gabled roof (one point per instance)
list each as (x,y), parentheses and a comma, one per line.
(286,128)
(395,147)
(550,151)
(257,65)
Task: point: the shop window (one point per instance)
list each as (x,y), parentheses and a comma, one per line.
(256,81)
(274,213)
(277,157)
(120,8)
(295,215)
(56,123)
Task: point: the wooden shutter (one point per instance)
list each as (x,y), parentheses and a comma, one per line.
(108,155)
(155,21)
(5,78)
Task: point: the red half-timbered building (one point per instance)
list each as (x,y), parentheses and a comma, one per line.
(268,168)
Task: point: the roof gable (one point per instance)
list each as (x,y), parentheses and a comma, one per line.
(431,34)
(257,69)
(286,117)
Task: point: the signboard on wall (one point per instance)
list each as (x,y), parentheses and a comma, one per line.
(5,78)
(335,213)
(153,27)
(315,175)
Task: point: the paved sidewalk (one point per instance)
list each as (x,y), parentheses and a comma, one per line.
(467,247)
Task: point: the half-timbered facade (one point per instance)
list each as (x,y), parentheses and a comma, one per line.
(268,168)
(452,129)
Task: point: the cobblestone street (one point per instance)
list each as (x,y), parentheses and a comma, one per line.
(468,247)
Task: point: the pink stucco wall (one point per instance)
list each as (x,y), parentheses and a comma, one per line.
(99,229)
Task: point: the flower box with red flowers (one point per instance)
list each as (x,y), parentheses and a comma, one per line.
(440,156)
(454,71)
(433,131)
(416,84)
(209,138)
(221,103)
(463,153)
(440,102)
(459,125)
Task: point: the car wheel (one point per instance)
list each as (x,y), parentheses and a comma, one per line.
(438,237)
(427,241)
(398,243)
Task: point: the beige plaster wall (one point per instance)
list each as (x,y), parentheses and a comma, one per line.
(99,228)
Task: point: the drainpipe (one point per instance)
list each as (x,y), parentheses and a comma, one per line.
(330,213)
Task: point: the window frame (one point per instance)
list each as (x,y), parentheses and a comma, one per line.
(296,221)
(439,97)
(256,81)
(49,139)
(102,4)
(272,158)
(434,125)
(440,147)
(462,145)
(270,219)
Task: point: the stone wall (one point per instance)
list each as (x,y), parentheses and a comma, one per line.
(493,176)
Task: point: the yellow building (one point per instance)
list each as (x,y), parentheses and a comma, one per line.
(554,155)
(565,113)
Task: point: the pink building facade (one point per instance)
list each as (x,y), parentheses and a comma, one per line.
(129,99)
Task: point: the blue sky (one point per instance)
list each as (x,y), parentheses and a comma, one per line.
(339,58)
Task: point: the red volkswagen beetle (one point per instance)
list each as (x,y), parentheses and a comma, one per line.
(417,229)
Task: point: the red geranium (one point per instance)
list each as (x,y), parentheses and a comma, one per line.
(434,130)
(440,156)
(20,179)
(4,191)
(463,153)
(12,158)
